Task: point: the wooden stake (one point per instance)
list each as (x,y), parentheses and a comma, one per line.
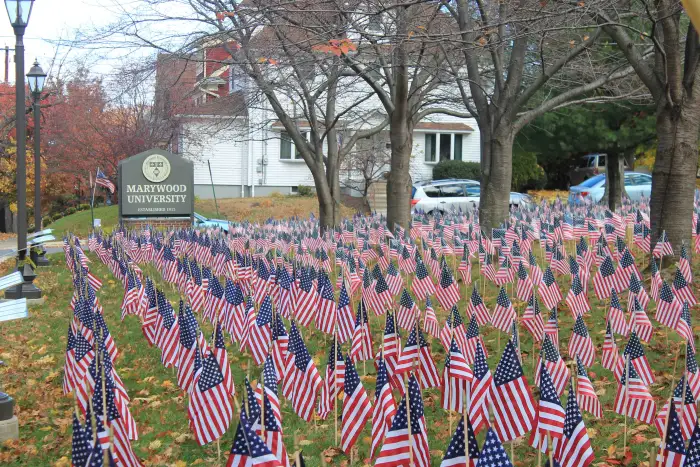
(627,383)
(407,397)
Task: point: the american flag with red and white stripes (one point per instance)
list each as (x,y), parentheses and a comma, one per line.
(513,405)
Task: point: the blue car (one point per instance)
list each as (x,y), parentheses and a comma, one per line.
(637,185)
(206,223)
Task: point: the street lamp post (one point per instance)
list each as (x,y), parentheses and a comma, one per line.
(36,79)
(19,12)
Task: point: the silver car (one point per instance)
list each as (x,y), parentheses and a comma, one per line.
(453,194)
(637,185)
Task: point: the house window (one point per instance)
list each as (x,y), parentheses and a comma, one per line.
(458,148)
(288,150)
(445,146)
(430,140)
(285,146)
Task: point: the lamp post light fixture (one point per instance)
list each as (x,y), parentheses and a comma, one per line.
(19,11)
(36,79)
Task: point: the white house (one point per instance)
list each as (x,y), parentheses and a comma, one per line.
(242,150)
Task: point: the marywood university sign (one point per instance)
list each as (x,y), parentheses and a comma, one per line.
(156,183)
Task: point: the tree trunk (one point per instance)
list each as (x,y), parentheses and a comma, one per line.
(496,175)
(398,184)
(614,182)
(673,180)
(326,203)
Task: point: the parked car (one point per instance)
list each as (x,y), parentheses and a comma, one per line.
(453,194)
(206,223)
(589,166)
(637,184)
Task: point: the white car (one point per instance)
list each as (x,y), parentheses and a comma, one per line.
(453,194)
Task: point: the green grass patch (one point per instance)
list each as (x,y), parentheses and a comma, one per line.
(79,223)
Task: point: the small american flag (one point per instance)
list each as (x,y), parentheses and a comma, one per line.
(639,322)
(478,308)
(189,363)
(551,327)
(361,348)
(574,449)
(616,315)
(638,359)
(684,406)
(259,332)
(633,397)
(430,322)
(524,289)
(422,284)
(662,247)
(558,371)
(549,290)
(302,378)
(549,423)
(346,318)
(456,454)
(447,291)
(416,355)
(503,313)
(532,319)
(576,297)
(580,343)
(513,404)
(456,376)
(335,378)
(473,338)
(481,391)
(682,289)
(210,410)
(454,329)
(356,407)
(492,453)
(408,311)
(610,356)
(672,448)
(606,279)
(326,315)
(384,407)
(586,396)
(248,449)
(304,299)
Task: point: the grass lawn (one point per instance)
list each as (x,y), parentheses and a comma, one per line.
(81,221)
(34,352)
(235,209)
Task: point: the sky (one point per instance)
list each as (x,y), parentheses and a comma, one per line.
(52,26)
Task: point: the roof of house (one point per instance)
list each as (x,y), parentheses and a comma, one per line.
(435,126)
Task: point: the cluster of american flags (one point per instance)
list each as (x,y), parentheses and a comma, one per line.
(262,286)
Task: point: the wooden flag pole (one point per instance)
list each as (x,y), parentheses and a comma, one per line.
(549,449)
(335,381)
(626,398)
(407,398)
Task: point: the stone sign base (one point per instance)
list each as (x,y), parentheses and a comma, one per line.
(157,222)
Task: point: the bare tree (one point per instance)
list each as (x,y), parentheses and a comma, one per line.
(367,163)
(521,59)
(662,46)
